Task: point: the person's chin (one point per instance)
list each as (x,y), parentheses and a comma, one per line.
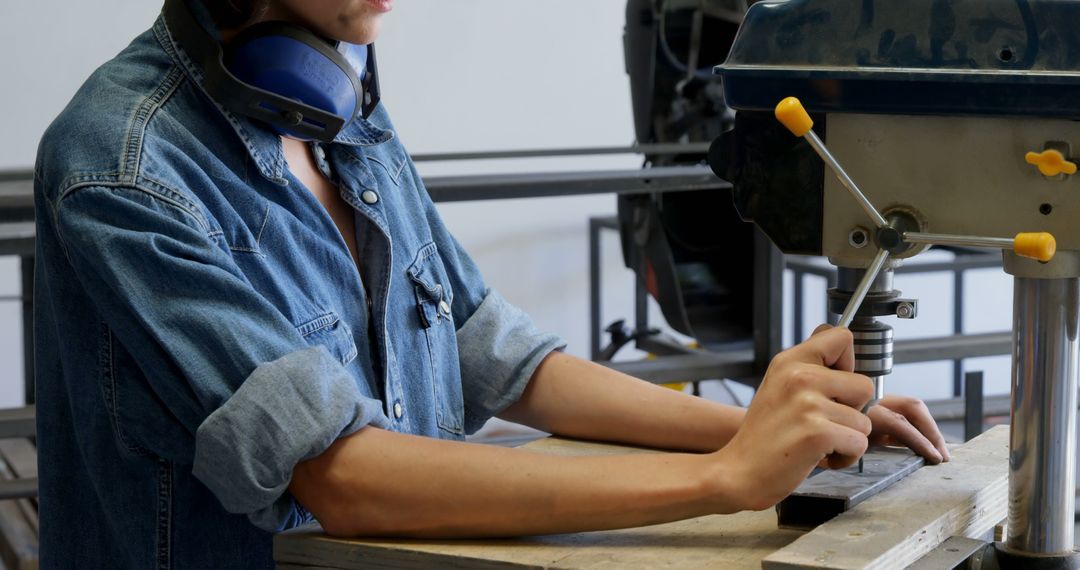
(362,30)
(366,33)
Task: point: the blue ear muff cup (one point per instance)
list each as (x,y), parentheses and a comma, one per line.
(299,84)
(297,65)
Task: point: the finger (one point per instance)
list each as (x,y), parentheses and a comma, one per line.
(848,446)
(852,390)
(920,417)
(850,417)
(821,328)
(840,461)
(903,432)
(830,347)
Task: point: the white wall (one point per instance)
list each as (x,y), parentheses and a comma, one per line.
(461,75)
(498,75)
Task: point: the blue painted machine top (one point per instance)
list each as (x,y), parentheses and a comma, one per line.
(938,57)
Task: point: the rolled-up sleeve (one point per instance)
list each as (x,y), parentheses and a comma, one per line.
(288,410)
(233,371)
(500,348)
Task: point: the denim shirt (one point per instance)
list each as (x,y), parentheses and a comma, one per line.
(201,327)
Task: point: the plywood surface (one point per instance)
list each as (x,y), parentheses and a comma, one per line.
(736,541)
(733,541)
(965,497)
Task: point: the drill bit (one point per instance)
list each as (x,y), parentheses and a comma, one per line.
(879,392)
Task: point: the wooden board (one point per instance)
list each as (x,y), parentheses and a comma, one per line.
(738,541)
(732,541)
(965,497)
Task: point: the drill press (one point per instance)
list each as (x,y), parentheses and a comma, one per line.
(958,119)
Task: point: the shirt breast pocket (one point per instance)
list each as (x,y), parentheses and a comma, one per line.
(330,332)
(434,299)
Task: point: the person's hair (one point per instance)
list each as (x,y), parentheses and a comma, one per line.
(235,13)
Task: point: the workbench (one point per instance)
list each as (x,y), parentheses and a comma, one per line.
(965,497)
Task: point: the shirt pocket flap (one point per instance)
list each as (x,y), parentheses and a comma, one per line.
(330,331)
(427,272)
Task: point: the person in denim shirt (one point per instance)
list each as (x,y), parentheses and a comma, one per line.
(238,332)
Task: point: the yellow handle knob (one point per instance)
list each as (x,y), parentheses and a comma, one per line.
(1050,162)
(791,113)
(1036,245)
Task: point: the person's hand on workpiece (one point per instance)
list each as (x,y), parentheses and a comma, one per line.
(900,420)
(806,413)
(904,421)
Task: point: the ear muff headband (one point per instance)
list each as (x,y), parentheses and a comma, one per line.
(280,74)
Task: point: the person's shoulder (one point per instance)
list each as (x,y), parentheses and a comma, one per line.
(88,138)
(101,135)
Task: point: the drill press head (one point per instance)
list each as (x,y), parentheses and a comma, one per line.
(960,116)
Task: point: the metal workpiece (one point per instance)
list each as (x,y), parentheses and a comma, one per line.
(1043,438)
(825,495)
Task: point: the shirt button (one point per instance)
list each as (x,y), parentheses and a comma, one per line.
(369,197)
(398,411)
(444,307)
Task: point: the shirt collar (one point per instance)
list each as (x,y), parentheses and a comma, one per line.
(262,144)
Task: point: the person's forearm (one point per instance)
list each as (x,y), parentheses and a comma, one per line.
(577,398)
(380,483)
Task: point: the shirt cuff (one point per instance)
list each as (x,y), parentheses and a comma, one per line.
(285,412)
(499,348)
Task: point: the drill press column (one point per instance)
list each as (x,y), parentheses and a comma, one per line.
(1043,439)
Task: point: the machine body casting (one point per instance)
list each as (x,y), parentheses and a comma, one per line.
(961,118)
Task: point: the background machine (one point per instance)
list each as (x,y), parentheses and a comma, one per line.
(957,119)
(680,244)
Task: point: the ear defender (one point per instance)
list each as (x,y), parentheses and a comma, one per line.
(301,85)
(294,63)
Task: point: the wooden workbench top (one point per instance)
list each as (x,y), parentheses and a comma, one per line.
(743,540)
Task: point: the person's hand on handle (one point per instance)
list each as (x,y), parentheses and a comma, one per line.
(806,412)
